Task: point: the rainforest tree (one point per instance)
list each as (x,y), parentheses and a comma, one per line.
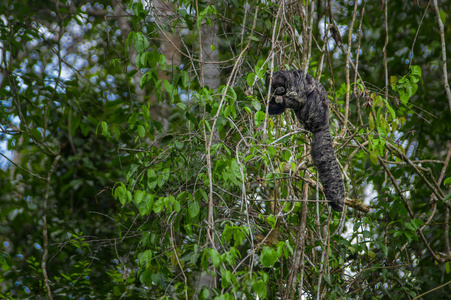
(139,159)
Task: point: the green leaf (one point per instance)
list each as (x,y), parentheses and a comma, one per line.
(137,8)
(167,86)
(204,194)
(120,192)
(250,79)
(130,38)
(260,68)
(371,121)
(373,157)
(384,249)
(145,237)
(206,294)
(141,42)
(271,220)
(287,155)
(409,226)
(151,179)
(258,118)
(193,209)
(132,119)
(394,82)
(231,92)
(162,61)
(417,223)
(447,267)
(225,296)
(161,180)
(34,132)
(215,257)
(447,181)
(226,278)
(104,127)
(227,233)
(390,109)
(255,38)
(141,131)
(235,168)
(176,205)
(185,79)
(84,128)
(158,205)
(257,105)
(231,256)
(239,237)
(268,256)
(268,24)
(146,205)
(145,277)
(202,15)
(145,111)
(165,174)
(260,288)
(145,258)
(280,248)
(410,235)
(227,111)
(415,73)
(139,196)
(371,254)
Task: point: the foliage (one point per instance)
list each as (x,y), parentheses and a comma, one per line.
(132,176)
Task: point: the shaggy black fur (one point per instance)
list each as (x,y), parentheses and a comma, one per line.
(308,98)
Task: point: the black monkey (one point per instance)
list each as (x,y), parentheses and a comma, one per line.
(307,97)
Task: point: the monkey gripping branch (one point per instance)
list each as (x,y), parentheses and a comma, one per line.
(307,97)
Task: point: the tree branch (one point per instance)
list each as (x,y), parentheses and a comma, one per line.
(443,43)
(45,229)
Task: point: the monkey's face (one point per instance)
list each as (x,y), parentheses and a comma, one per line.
(282,95)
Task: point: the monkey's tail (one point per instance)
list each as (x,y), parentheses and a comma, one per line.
(323,155)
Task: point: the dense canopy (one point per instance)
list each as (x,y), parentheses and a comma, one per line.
(138,159)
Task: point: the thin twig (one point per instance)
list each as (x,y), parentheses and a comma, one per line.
(430,291)
(359,114)
(400,193)
(208,142)
(442,38)
(201,68)
(384,50)
(45,252)
(348,59)
(243,199)
(401,155)
(310,35)
(17,166)
(302,242)
(447,209)
(445,163)
(416,34)
(297,259)
(178,261)
(271,70)
(420,230)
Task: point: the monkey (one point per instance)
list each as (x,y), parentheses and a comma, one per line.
(299,91)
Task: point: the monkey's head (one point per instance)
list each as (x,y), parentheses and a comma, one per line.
(284,92)
(301,92)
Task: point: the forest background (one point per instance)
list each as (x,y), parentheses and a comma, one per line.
(138,159)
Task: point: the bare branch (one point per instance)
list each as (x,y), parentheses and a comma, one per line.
(443,43)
